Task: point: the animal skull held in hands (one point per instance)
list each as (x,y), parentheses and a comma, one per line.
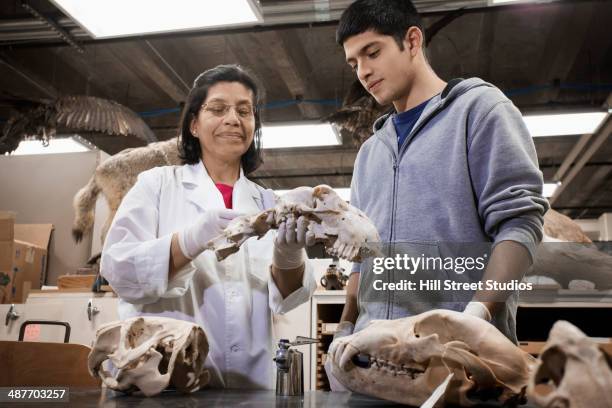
(149,354)
(345,231)
(572,372)
(404,360)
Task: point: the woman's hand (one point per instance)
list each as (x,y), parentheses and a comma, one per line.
(194,239)
(292,237)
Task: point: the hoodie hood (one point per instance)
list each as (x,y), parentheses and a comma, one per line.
(440,101)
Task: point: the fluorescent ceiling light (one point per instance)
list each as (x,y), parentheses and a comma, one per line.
(564,124)
(510,1)
(120,18)
(299,135)
(550,188)
(56,145)
(344,193)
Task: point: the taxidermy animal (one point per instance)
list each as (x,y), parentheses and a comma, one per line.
(73,114)
(114,178)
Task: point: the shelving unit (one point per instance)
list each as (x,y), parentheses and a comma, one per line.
(326,310)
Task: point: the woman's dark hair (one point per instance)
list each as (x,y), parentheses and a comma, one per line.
(189,145)
(387,17)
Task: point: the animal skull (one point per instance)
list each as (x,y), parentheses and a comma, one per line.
(150,353)
(572,372)
(345,231)
(404,360)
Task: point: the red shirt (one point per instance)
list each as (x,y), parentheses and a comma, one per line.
(226,192)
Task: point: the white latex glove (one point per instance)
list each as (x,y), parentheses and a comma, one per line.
(292,237)
(194,239)
(344,329)
(478,309)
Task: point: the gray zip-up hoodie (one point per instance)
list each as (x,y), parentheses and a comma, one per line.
(466,173)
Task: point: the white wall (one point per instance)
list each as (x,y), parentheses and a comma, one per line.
(40,188)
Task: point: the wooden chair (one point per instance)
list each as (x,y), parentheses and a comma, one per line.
(44,364)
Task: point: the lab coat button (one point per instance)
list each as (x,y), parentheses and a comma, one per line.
(235,349)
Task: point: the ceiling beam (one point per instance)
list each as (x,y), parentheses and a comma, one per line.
(593,191)
(30,77)
(571,157)
(81,64)
(27,34)
(147,64)
(296,69)
(278,162)
(63,34)
(486,44)
(562,48)
(598,140)
(289,61)
(167,64)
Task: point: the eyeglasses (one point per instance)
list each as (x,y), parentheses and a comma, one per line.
(220,109)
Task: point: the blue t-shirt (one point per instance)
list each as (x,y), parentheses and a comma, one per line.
(405,121)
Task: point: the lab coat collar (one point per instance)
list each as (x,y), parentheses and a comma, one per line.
(201,190)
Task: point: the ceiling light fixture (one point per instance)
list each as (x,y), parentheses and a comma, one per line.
(299,135)
(56,145)
(344,193)
(121,18)
(513,1)
(564,124)
(550,188)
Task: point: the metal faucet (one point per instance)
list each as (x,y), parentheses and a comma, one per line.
(290,366)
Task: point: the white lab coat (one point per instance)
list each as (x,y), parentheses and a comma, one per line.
(232,300)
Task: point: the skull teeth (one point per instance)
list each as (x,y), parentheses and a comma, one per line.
(380,363)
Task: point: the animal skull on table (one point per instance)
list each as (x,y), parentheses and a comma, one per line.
(572,372)
(150,353)
(345,231)
(404,360)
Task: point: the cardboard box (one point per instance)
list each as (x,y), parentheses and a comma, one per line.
(6,287)
(30,265)
(7,222)
(6,271)
(6,256)
(29,260)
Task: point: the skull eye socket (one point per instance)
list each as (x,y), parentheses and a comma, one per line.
(554,366)
(165,361)
(484,394)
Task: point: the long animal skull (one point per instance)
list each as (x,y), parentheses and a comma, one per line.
(149,354)
(345,231)
(572,372)
(404,360)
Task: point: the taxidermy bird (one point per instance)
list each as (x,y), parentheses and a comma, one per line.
(73,114)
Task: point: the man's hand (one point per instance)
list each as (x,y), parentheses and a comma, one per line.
(478,309)
(344,329)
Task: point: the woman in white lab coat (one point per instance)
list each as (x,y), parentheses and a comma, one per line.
(154,254)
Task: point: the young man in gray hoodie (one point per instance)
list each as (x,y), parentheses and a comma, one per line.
(454,163)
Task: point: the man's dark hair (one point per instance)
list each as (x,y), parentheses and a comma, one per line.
(387,17)
(189,145)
